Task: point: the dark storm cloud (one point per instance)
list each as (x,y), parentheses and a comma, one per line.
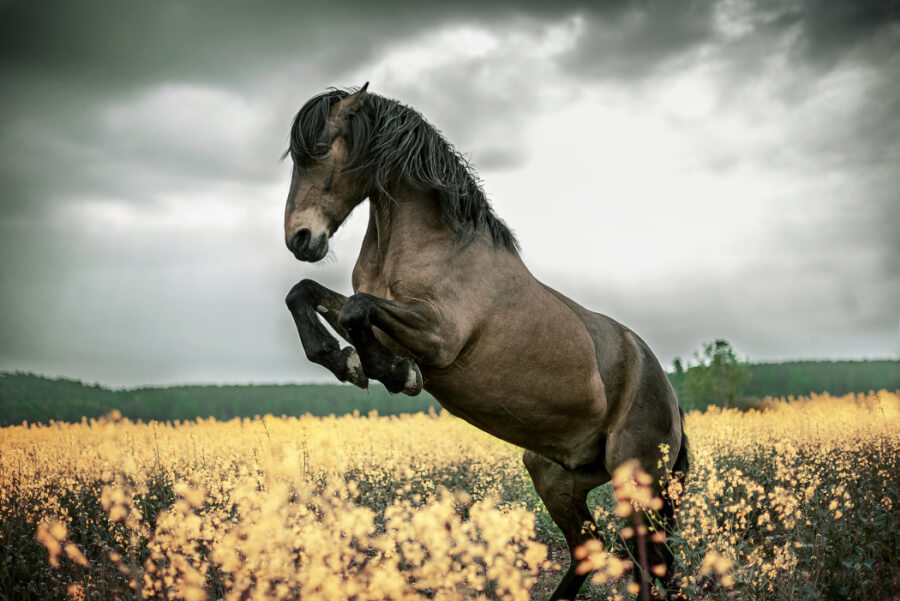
(638,38)
(107,44)
(632,40)
(833,28)
(68,63)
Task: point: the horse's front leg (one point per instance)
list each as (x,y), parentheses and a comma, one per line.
(413,325)
(306,301)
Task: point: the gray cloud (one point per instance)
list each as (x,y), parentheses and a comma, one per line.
(65,64)
(832,29)
(822,255)
(638,39)
(136,108)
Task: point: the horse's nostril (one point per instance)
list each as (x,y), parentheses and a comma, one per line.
(300,240)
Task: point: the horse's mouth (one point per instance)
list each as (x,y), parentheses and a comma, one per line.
(312,254)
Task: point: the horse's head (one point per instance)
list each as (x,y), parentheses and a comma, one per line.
(322,191)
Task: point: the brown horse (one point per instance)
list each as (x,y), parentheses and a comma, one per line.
(442,301)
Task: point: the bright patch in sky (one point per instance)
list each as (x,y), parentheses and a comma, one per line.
(405,63)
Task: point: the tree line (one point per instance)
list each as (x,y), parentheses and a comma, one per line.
(33,398)
(715,376)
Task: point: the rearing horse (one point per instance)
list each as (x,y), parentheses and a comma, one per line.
(442,301)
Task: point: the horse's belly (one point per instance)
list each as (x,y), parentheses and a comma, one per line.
(548,398)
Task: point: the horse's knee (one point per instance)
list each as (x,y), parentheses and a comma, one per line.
(301,294)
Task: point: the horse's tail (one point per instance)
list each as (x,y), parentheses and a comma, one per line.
(671,500)
(682,463)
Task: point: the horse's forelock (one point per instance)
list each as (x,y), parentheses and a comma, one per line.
(309,139)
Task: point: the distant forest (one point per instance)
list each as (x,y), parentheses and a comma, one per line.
(34,398)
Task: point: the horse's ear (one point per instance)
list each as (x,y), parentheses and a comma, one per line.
(349,105)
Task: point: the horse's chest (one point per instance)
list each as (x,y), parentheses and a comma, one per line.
(371,282)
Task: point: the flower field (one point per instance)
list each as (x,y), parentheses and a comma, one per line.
(798,501)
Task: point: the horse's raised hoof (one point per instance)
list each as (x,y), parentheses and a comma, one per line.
(403,377)
(413,384)
(354,374)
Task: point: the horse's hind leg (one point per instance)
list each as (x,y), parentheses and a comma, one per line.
(564,493)
(306,301)
(651,554)
(676,484)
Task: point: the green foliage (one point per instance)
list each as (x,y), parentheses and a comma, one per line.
(718,377)
(32,398)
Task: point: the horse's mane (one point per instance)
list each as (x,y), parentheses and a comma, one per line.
(390,141)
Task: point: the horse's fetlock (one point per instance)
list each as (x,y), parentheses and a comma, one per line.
(320,353)
(316,355)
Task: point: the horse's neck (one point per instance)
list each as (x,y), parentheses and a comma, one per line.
(370,262)
(408,250)
(400,230)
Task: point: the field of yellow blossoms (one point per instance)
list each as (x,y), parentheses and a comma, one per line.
(798,501)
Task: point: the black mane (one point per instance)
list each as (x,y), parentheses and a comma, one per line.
(390,141)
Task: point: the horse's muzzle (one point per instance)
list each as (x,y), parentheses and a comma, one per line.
(306,248)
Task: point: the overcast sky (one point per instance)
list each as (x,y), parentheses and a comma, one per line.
(696,170)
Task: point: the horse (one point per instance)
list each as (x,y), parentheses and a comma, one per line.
(442,301)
